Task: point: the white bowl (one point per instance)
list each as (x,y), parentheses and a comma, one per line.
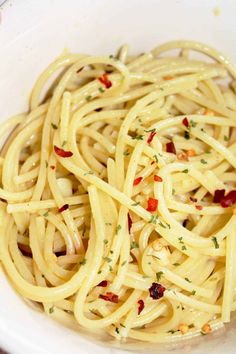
(33,33)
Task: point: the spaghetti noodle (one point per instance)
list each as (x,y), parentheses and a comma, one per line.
(118,191)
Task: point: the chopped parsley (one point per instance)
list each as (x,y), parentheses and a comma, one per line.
(46,214)
(138,137)
(118,228)
(153,219)
(64,143)
(101,89)
(155,158)
(135,204)
(185,171)
(83,262)
(192,123)
(46,163)
(88,98)
(93,312)
(214,240)
(150,130)
(134,245)
(191,325)
(193,292)
(161,224)
(183,248)
(203,161)
(54,126)
(108,223)
(226,138)
(107,259)
(51,310)
(159,275)
(105,242)
(187,279)
(176,264)
(99,272)
(186,135)
(123,263)
(126,152)
(88,173)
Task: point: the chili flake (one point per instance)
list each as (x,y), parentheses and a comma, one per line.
(130,222)
(218,195)
(141,306)
(152,204)
(151,136)
(157,178)
(109,296)
(62,153)
(105,81)
(137,181)
(185,122)
(156,291)
(170,147)
(63,208)
(103,283)
(229,199)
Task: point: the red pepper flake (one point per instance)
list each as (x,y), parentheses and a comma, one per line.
(170,147)
(52,167)
(137,181)
(130,223)
(141,306)
(157,178)
(228,200)
(110,297)
(62,153)
(152,204)
(199,207)
(185,122)
(182,156)
(63,208)
(151,136)
(218,195)
(194,200)
(156,291)
(105,81)
(103,283)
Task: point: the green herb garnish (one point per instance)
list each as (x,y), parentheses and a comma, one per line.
(54,126)
(83,262)
(159,275)
(214,240)
(118,228)
(134,245)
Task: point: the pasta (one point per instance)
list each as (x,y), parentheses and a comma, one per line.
(118,192)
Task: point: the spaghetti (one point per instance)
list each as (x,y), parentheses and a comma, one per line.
(118,192)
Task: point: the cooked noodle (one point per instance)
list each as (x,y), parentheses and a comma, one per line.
(117,193)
